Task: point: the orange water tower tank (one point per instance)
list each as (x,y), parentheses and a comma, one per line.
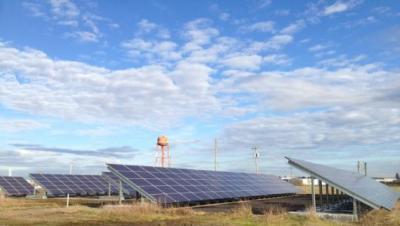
(162,141)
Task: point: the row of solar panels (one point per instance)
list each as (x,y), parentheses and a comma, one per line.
(162,185)
(61,185)
(172,185)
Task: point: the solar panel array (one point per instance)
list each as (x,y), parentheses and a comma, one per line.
(359,186)
(15,186)
(113,179)
(172,185)
(79,185)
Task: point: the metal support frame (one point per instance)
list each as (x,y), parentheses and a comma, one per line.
(355,210)
(327,194)
(320,192)
(120,192)
(109,189)
(67,200)
(314,207)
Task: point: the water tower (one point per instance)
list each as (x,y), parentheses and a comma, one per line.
(163,147)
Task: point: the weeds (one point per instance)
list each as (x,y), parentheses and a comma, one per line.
(51,212)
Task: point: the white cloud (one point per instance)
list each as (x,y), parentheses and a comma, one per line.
(84,36)
(35,9)
(152,50)
(20,125)
(263,3)
(293,27)
(224,16)
(337,7)
(250,62)
(82,24)
(147,27)
(262,26)
(318,47)
(65,11)
(276,42)
(199,33)
(340,6)
(150,96)
(329,129)
(277,59)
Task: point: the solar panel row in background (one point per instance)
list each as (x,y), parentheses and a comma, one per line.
(15,186)
(359,186)
(172,185)
(78,185)
(113,179)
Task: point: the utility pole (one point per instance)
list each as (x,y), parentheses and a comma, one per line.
(215,154)
(256,158)
(362,164)
(365,168)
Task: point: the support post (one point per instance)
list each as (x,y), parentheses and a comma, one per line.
(120,192)
(109,189)
(67,199)
(314,207)
(320,192)
(355,210)
(327,195)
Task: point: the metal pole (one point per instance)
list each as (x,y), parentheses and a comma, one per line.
(169,157)
(67,199)
(314,207)
(162,156)
(327,195)
(365,168)
(109,189)
(355,211)
(256,156)
(215,154)
(120,192)
(320,192)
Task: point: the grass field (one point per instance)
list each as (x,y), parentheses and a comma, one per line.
(46,212)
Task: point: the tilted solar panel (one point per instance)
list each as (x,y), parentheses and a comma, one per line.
(360,187)
(79,185)
(113,179)
(172,185)
(15,186)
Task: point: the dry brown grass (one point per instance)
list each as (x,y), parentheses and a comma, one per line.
(50,212)
(382,217)
(243,210)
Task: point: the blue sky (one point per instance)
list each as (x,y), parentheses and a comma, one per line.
(89,82)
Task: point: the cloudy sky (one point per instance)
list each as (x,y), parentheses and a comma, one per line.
(86,82)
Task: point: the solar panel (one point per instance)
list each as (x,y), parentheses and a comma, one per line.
(358,186)
(113,179)
(172,185)
(79,185)
(15,186)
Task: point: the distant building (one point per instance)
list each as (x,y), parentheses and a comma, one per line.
(385,179)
